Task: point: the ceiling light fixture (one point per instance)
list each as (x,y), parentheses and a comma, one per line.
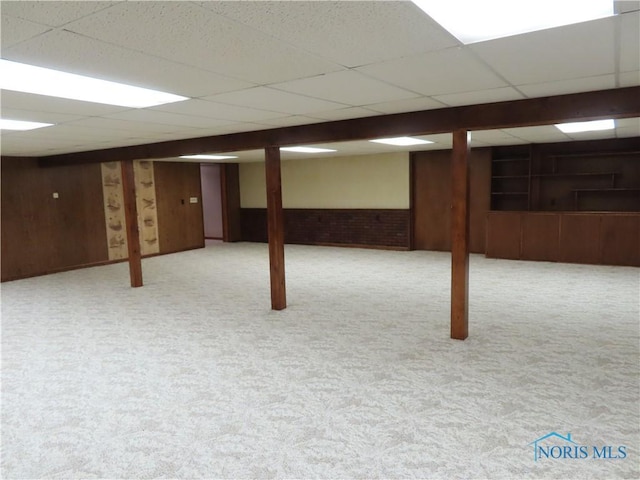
(6,124)
(307,149)
(20,77)
(401,141)
(595,125)
(471,21)
(209,157)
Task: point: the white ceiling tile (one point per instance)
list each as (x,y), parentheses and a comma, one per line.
(132,128)
(71,52)
(345,113)
(187,33)
(575,85)
(452,70)
(348,87)
(15,30)
(204,108)
(480,96)
(536,134)
(42,103)
(336,30)
(166,118)
(36,116)
(629,41)
(628,123)
(55,14)
(266,98)
(291,120)
(490,135)
(597,135)
(575,51)
(408,105)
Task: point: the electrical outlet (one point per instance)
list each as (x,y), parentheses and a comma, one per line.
(55,195)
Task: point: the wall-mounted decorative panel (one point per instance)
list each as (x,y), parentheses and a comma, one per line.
(146,205)
(114,210)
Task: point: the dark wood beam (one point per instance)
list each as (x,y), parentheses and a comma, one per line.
(460,235)
(275,228)
(616,103)
(230,193)
(131,220)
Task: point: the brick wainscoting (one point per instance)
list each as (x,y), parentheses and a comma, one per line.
(356,227)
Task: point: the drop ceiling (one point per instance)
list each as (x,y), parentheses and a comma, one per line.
(257,65)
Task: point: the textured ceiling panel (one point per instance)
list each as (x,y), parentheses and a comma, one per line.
(502,94)
(79,54)
(266,98)
(15,30)
(349,33)
(560,87)
(346,87)
(41,103)
(204,108)
(192,35)
(408,105)
(54,13)
(447,71)
(582,50)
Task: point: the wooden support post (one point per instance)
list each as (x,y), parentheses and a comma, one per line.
(131,220)
(275,228)
(460,235)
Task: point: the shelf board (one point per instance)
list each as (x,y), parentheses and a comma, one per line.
(604,190)
(509,193)
(499,160)
(583,174)
(509,176)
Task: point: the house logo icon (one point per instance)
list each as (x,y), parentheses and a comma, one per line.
(568,446)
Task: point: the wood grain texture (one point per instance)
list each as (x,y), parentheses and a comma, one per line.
(460,235)
(620,239)
(541,237)
(41,234)
(615,103)
(431,199)
(180,223)
(131,220)
(504,235)
(231,212)
(275,228)
(580,238)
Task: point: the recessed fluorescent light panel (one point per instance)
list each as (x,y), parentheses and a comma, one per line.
(208,157)
(20,77)
(307,149)
(472,21)
(595,125)
(401,141)
(6,124)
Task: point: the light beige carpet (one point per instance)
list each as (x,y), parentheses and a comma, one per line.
(192,376)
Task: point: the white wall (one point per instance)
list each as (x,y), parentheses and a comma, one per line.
(364,181)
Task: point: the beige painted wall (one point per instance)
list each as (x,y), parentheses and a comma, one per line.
(364,181)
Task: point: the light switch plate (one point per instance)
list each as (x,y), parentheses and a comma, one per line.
(55,195)
(193,200)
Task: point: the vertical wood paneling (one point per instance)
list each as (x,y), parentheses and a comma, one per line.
(231,213)
(504,235)
(180,225)
(541,237)
(431,199)
(41,234)
(620,239)
(580,238)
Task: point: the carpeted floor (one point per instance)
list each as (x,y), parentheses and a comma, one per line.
(192,376)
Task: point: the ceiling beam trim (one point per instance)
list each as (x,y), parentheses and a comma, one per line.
(615,103)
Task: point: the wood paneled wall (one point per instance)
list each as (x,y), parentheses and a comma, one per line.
(42,234)
(431,199)
(180,222)
(594,238)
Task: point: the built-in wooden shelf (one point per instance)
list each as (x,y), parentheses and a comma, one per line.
(509,193)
